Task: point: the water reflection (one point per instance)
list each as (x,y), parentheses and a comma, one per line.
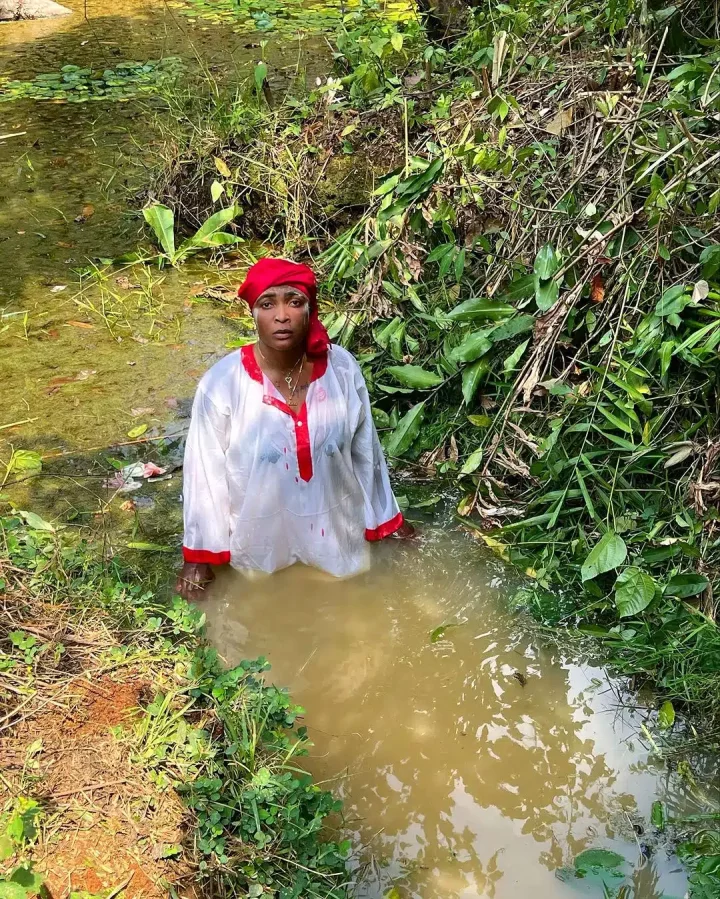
(476,765)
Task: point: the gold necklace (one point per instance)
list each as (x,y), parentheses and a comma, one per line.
(288,377)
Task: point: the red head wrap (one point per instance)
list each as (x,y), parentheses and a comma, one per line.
(268,273)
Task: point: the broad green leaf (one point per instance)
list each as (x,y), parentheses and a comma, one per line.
(134,433)
(609,552)
(9,890)
(396,39)
(480,421)
(510,364)
(28,879)
(634,591)
(36,522)
(598,858)
(547,294)
(520,324)
(472,377)
(25,460)
(546,263)
(685,585)
(162,221)
(521,288)
(406,431)
(380,417)
(673,301)
(7,847)
(216,190)
(666,715)
(218,220)
(415,376)
(473,346)
(480,308)
(473,461)
(260,74)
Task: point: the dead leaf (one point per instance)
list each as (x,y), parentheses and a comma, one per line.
(597,289)
(222,167)
(453,455)
(145,410)
(700,291)
(128,506)
(561,122)
(88,211)
(65,245)
(70,379)
(171,402)
(85,325)
(124,283)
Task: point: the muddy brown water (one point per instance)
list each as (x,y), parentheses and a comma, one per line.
(458,780)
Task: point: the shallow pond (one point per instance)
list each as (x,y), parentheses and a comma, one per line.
(474,762)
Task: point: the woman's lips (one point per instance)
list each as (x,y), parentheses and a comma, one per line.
(282,335)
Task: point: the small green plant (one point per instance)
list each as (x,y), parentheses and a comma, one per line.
(210,235)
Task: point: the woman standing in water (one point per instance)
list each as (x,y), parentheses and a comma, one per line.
(283,462)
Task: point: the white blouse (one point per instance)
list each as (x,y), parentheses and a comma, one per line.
(266,486)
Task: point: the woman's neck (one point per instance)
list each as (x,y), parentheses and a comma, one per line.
(281,360)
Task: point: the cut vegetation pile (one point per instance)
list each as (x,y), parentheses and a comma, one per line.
(132,761)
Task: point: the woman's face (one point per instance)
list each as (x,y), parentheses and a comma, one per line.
(282,314)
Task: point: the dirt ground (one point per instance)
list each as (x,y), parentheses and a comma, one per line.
(107,828)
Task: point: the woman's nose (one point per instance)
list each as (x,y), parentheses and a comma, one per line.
(282,315)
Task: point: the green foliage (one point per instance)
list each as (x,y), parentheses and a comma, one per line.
(225,740)
(209,235)
(73,84)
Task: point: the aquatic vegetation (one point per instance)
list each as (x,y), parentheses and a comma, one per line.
(73,84)
(289,17)
(222,743)
(209,236)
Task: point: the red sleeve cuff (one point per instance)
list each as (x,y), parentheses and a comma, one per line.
(204,556)
(386,529)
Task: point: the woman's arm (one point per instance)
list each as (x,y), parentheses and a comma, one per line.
(383,517)
(206,499)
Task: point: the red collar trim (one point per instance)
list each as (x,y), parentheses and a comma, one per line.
(250,363)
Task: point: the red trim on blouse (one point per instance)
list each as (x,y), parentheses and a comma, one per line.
(386,529)
(302,432)
(204,556)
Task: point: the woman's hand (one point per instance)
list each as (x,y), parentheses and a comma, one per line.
(193,579)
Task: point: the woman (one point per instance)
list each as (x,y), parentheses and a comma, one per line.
(283,462)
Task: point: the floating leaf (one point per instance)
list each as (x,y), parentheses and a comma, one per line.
(134,433)
(415,376)
(666,715)
(598,858)
(634,591)
(608,553)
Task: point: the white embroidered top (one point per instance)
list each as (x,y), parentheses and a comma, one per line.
(265,486)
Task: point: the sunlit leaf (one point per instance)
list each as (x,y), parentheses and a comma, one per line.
(634,591)
(415,376)
(162,221)
(609,552)
(666,715)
